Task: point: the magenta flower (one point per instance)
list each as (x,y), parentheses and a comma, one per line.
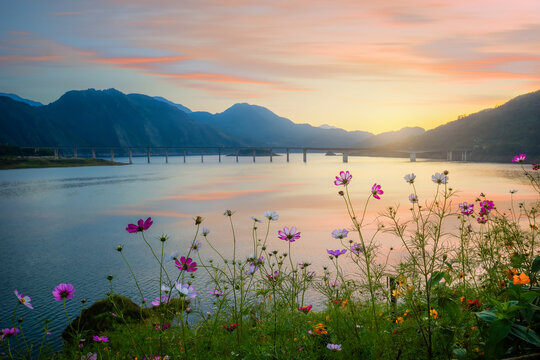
(141,226)
(535,166)
(376,191)
(7,332)
(466,209)
(340,233)
(336,253)
(89,356)
(289,235)
(344,178)
(519,158)
(164,300)
(186,264)
(25,300)
(334,347)
(486,206)
(305,309)
(357,248)
(481,220)
(101,339)
(216,293)
(63,291)
(273,277)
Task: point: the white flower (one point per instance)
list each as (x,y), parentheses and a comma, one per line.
(340,233)
(165,288)
(255,219)
(410,178)
(205,231)
(186,290)
(439,178)
(271,215)
(196,246)
(251,270)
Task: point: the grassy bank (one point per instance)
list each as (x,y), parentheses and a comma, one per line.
(46,162)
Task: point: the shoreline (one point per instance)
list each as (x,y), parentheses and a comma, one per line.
(9,163)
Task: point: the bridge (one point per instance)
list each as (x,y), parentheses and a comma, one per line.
(236,150)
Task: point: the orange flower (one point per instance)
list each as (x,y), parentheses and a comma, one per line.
(510,273)
(320,329)
(344,303)
(399,320)
(522,279)
(462,299)
(433,313)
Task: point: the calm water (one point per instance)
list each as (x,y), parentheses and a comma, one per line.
(63,224)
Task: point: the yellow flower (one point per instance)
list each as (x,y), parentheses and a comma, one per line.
(433,313)
(328,318)
(406,313)
(399,320)
(522,279)
(396,293)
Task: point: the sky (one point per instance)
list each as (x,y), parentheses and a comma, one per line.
(356,64)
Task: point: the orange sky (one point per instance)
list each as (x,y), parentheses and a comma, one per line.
(359,65)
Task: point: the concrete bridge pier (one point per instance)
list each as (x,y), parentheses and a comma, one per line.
(237,155)
(74,152)
(464,156)
(270,155)
(305,155)
(202,156)
(166,156)
(253,155)
(287,154)
(56,153)
(184,156)
(112,154)
(219,154)
(345,157)
(93,153)
(449,156)
(148,155)
(413,157)
(130,156)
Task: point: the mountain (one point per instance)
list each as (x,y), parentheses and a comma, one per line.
(511,128)
(389,137)
(256,125)
(178,106)
(20,99)
(103,118)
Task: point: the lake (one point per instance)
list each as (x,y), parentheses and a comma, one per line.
(63,224)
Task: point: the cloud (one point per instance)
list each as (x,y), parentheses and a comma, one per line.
(218,195)
(219,78)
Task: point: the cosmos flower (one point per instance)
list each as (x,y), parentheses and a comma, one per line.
(255,219)
(205,231)
(101,339)
(7,332)
(196,246)
(439,178)
(289,235)
(466,208)
(344,178)
(141,226)
(186,290)
(216,293)
(63,291)
(486,206)
(334,347)
(376,191)
(271,215)
(357,248)
(519,158)
(481,220)
(186,264)
(172,256)
(25,300)
(228,213)
(340,233)
(251,270)
(410,178)
(164,300)
(336,253)
(413,198)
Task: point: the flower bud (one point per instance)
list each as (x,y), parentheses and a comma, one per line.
(119,248)
(109,277)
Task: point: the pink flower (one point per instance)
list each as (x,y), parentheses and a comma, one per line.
(336,253)
(101,339)
(334,347)
(25,300)
(486,206)
(186,264)
(519,158)
(344,178)
(273,277)
(63,291)
(164,300)
(535,166)
(340,233)
(7,332)
(141,226)
(465,208)
(216,293)
(357,248)
(376,191)
(481,220)
(289,235)
(305,309)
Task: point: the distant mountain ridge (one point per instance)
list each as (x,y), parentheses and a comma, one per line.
(20,99)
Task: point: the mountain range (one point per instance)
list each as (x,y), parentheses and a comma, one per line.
(112,118)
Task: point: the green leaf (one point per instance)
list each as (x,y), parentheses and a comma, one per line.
(517,260)
(529,296)
(498,330)
(487,315)
(460,353)
(536,265)
(525,334)
(435,278)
